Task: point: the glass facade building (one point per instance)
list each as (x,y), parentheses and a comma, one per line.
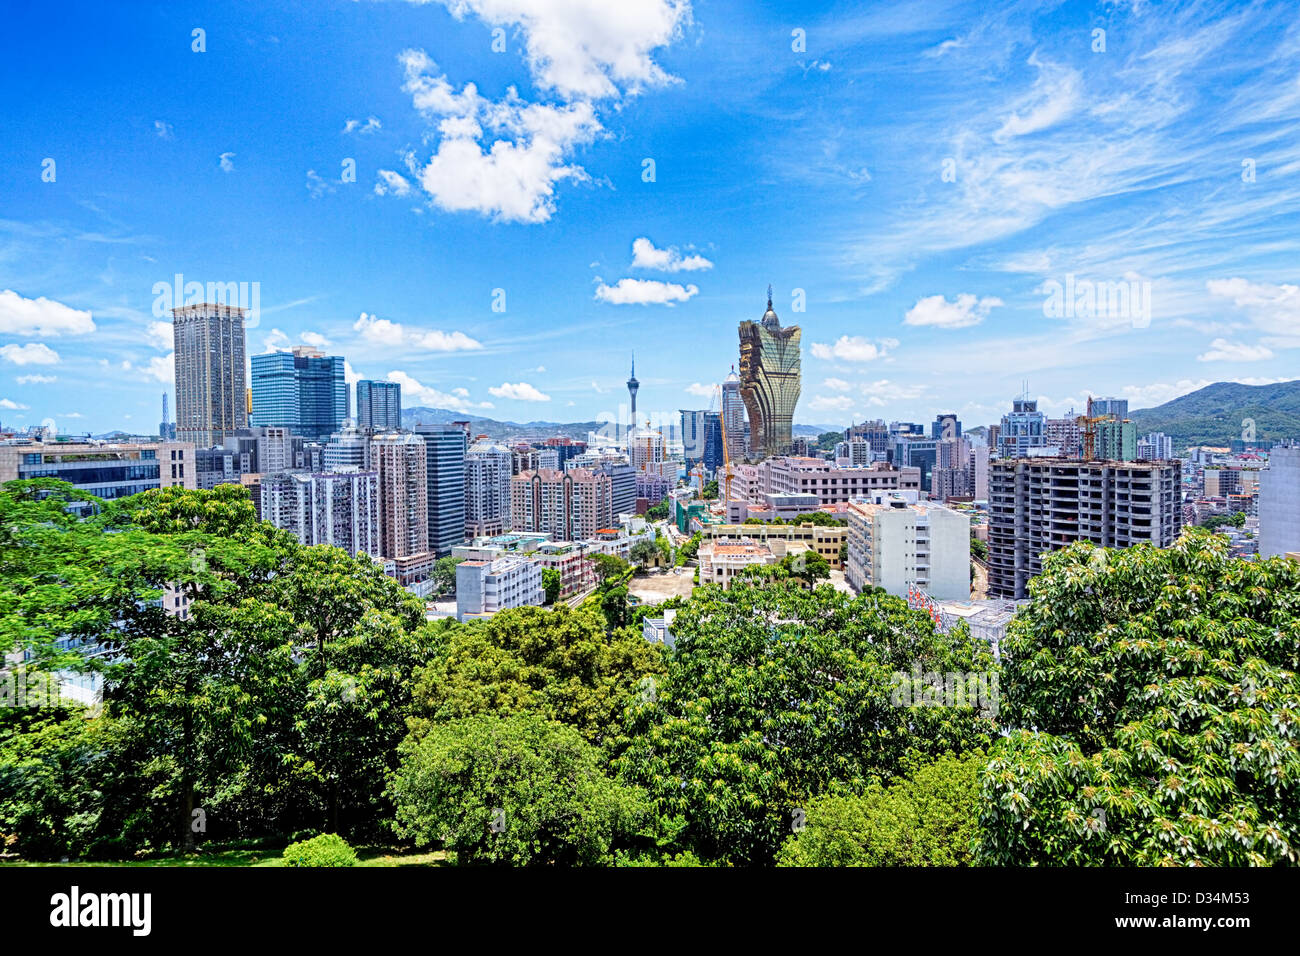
(303,390)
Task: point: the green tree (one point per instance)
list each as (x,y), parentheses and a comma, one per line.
(979,548)
(827,441)
(928,818)
(552,581)
(775,695)
(658,511)
(561,664)
(710,492)
(644,552)
(516,790)
(444,575)
(1152,700)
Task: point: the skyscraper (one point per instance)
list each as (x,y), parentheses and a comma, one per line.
(770,381)
(302,390)
(445,470)
(571,505)
(166,428)
(1279,502)
(733,417)
(1023,428)
(379,405)
(403,494)
(487,489)
(211,392)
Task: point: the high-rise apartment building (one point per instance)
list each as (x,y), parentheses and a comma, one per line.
(1116,441)
(211,391)
(1279,502)
(1156,446)
(1065,435)
(399,457)
(302,390)
(570,505)
(349,448)
(770,381)
(379,405)
(1043,504)
(487,489)
(733,418)
(334,508)
(446,446)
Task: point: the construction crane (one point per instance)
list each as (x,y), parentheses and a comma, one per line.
(1088,426)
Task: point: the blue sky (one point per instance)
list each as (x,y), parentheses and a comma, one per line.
(914,176)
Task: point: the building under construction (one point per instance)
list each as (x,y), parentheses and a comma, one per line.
(1038,505)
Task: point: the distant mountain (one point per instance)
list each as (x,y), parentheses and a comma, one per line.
(504,430)
(493,428)
(1214,415)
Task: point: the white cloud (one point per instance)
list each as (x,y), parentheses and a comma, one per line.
(1274,309)
(379,331)
(33,353)
(838,385)
(369,125)
(644,292)
(317,185)
(41,316)
(511,178)
(315,339)
(161,335)
(227,162)
(1054,97)
(646,256)
(351,375)
(11,405)
(965,310)
(520,392)
(823,403)
(391,182)
(1221,350)
(590,49)
(700,390)
(164,130)
(1149,396)
(36,379)
(416,393)
(853,348)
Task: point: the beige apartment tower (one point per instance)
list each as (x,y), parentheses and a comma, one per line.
(399,457)
(211,391)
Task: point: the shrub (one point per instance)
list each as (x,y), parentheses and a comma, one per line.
(328,849)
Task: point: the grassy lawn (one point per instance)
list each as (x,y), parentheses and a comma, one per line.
(261,856)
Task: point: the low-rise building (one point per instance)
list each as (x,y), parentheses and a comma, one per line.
(826,540)
(485,587)
(107,470)
(896,543)
(723,559)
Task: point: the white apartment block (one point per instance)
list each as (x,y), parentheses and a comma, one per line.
(1279,502)
(485,587)
(897,543)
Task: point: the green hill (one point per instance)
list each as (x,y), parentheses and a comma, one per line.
(1214,415)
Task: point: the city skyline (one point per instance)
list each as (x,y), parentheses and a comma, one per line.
(924,187)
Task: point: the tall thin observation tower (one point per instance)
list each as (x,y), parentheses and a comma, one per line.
(632,386)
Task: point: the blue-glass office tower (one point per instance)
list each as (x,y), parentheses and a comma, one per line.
(379,405)
(303,390)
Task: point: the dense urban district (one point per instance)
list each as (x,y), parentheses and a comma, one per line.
(298,627)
